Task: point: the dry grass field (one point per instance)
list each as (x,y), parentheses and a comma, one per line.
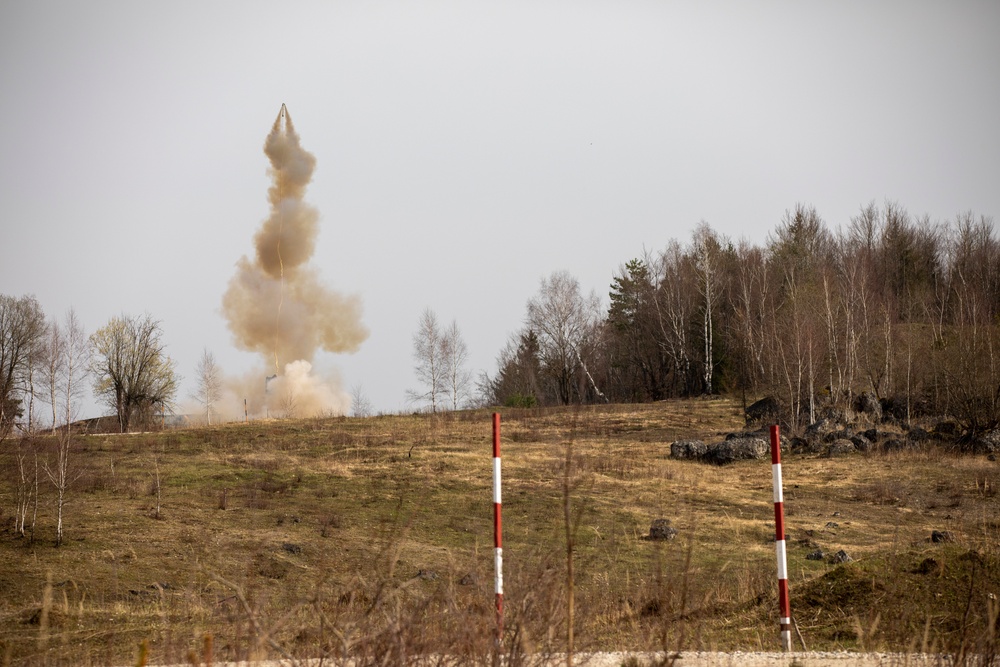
(373,538)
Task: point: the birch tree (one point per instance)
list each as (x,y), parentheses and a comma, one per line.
(706,247)
(430,367)
(564,320)
(209,388)
(70,368)
(454,356)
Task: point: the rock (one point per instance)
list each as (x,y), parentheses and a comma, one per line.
(942,536)
(896,445)
(767,410)
(427,575)
(840,434)
(832,524)
(761,434)
(918,434)
(988,443)
(840,447)
(841,557)
(867,403)
(469,579)
(815,555)
(688,449)
(738,449)
(819,429)
(818,432)
(927,566)
(893,408)
(862,443)
(291,548)
(831,413)
(946,429)
(802,446)
(661,530)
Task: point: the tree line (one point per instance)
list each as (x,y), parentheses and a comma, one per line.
(45,362)
(890,307)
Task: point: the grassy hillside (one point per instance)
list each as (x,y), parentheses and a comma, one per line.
(374,536)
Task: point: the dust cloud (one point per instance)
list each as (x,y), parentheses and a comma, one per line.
(276,304)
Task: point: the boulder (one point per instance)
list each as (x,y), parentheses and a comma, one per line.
(819,429)
(861,443)
(894,408)
(804,446)
(767,410)
(987,443)
(867,403)
(688,449)
(661,529)
(738,449)
(947,429)
(841,447)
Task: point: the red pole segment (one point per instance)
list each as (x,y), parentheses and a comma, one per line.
(497,526)
(785,611)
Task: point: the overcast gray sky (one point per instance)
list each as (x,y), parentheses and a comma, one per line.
(464,149)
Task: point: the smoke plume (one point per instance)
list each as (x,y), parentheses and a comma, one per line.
(275,304)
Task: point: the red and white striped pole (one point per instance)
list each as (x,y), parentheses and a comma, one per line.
(785,611)
(497,527)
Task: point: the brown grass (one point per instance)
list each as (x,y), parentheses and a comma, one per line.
(373,538)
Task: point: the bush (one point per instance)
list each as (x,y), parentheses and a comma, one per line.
(520,401)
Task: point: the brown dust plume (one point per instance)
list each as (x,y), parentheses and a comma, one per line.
(275,304)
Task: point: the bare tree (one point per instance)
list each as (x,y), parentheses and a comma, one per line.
(22,329)
(361,406)
(67,369)
(565,320)
(25,488)
(430,367)
(751,299)
(209,390)
(59,475)
(454,355)
(132,372)
(50,367)
(706,249)
(674,304)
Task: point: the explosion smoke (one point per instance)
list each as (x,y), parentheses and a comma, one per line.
(275,304)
